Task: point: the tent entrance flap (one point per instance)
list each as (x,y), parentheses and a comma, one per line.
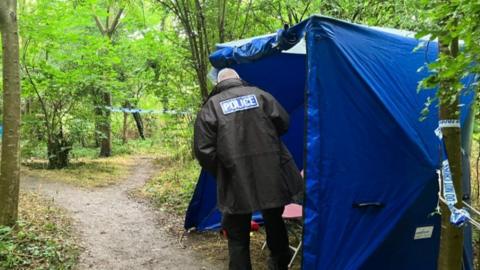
(287,86)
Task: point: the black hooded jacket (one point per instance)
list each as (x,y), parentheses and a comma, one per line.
(236,138)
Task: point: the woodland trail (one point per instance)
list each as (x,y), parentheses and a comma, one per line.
(116,231)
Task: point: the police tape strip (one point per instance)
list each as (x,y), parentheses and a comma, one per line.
(454,123)
(448,188)
(458,217)
(469,219)
(128,110)
(446,123)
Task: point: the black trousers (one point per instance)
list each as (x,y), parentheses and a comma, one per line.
(237,227)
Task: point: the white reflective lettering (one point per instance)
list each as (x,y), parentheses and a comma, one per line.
(239,104)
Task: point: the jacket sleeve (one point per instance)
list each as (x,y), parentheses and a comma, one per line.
(205,138)
(277,114)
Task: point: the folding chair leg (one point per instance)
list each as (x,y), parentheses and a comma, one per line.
(297,249)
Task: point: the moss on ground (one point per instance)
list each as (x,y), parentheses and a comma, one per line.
(43,238)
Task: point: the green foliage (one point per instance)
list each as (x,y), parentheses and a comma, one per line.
(66,62)
(20,248)
(452,22)
(173,187)
(397,14)
(147,62)
(42,240)
(171,145)
(177,136)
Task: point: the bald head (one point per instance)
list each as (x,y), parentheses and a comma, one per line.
(227,73)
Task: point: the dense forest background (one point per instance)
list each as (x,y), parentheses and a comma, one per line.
(106,80)
(79,59)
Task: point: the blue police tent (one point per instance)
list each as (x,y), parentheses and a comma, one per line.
(370,165)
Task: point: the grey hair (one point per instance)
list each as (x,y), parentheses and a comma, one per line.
(227,73)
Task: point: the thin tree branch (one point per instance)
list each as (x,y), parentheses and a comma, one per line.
(99,25)
(237,15)
(115,22)
(40,99)
(305,10)
(246,19)
(221,20)
(107,19)
(34,85)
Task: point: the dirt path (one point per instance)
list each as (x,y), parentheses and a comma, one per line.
(118,232)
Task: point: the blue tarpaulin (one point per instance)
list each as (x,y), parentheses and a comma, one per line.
(370,164)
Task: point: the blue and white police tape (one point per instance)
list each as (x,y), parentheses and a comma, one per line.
(448,123)
(458,217)
(448,188)
(128,110)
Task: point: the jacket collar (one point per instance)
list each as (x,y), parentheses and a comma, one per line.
(225,85)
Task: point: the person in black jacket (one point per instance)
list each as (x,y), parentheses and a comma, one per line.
(237,139)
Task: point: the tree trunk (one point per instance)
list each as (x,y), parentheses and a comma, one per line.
(139,122)
(10,162)
(58,150)
(451,242)
(28,106)
(124,132)
(98,119)
(221,20)
(103,132)
(83,142)
(202,81)
(105,126)
(192,18)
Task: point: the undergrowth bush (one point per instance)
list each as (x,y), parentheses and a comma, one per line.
(41,239)
(173,186)
(176,133)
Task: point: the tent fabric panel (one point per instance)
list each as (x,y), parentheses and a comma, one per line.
(258,48)
(351,157)
(287,41)
(419,214)
(201,204)
(202,213)
(287,85)
(388,64)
